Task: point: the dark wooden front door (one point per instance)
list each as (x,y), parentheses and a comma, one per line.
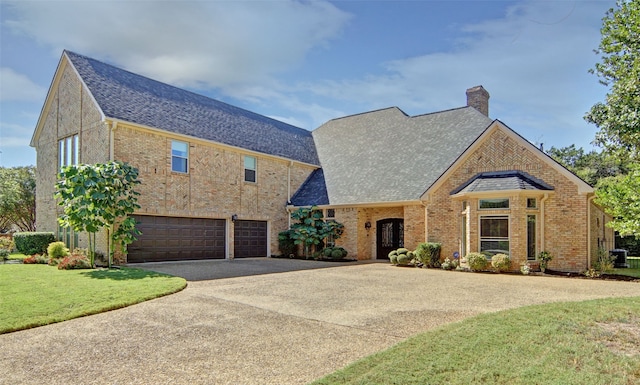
(390,236)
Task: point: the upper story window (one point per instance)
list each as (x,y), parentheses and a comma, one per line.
(492,204)
(532,203)
(179,156)
(249,168)
(69,151)
(330,213)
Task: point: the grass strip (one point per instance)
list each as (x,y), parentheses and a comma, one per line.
(36,295)
(593,342)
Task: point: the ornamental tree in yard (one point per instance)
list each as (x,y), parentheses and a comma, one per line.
(312,229)
(100,196)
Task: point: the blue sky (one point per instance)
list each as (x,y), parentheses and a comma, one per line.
(306,62)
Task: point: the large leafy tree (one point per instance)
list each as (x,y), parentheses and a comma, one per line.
(618,118)
(589,166)
(311,229)
(18,198)
(100,196)
(620,197)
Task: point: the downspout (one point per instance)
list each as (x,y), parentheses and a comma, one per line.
(589,230)
(112,128)
(542,201)
(289,194)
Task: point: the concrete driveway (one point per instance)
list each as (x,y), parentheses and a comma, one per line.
(274,328)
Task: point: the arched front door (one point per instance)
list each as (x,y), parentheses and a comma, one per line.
(390,236)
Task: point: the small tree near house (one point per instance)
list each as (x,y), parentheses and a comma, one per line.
(311,229)
(100,196)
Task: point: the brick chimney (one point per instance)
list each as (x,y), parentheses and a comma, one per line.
(478,98)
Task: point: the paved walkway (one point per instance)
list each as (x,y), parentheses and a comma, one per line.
(281,328)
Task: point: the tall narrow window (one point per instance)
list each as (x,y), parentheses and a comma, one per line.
(179,156)
(494,235)
(531,237)
(249,168)
(69,151)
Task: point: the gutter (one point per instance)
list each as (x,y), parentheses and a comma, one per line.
(542,201)
(589,200)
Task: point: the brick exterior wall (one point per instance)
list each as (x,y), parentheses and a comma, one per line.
(70,111)
(214,187)
(565,221)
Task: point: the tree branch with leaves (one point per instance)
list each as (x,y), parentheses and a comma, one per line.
(100,196)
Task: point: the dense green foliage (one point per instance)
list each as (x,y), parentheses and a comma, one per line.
(477,261)
(100,196)
(33,242)
(286,243)
(428,253)
(311,229)
(589,166)
(618,118)
(620,197)
(18,198)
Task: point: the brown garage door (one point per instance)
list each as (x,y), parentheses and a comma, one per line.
(174,239)
(250,239)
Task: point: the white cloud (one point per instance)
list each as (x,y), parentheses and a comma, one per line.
(187,43)
(18,87)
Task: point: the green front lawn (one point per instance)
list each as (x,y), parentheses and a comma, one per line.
(593,342)
(36,295)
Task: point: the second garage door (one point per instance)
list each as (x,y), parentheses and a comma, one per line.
(250,239)
(174,239)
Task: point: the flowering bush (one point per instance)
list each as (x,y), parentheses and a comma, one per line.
(74,261)
(477,261)
(449,264)
(36,258)
(544,257)
(501,262)
(525,268)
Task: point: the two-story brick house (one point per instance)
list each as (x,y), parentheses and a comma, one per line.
(220,182)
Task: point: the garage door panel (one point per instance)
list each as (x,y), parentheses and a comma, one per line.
(250,239)
(174,238)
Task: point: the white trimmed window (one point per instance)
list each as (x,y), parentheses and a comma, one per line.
(250,163)
(179,156)
(494,234)
(69,151)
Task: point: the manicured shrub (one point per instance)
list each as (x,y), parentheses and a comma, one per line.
(477,261)
(286,243)
(403,259)
(338,253)
(428,253)
(74,261)
(501,262)
(393,257)
(30,243)
(57,250)
(4,254)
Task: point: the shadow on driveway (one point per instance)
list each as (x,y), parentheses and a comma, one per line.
(202,270)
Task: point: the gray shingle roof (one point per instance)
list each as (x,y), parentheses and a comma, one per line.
(133,98)
(387,156)
(502,181)
(313,191)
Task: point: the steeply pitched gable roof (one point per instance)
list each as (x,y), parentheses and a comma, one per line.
(129,97)
(387,156)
